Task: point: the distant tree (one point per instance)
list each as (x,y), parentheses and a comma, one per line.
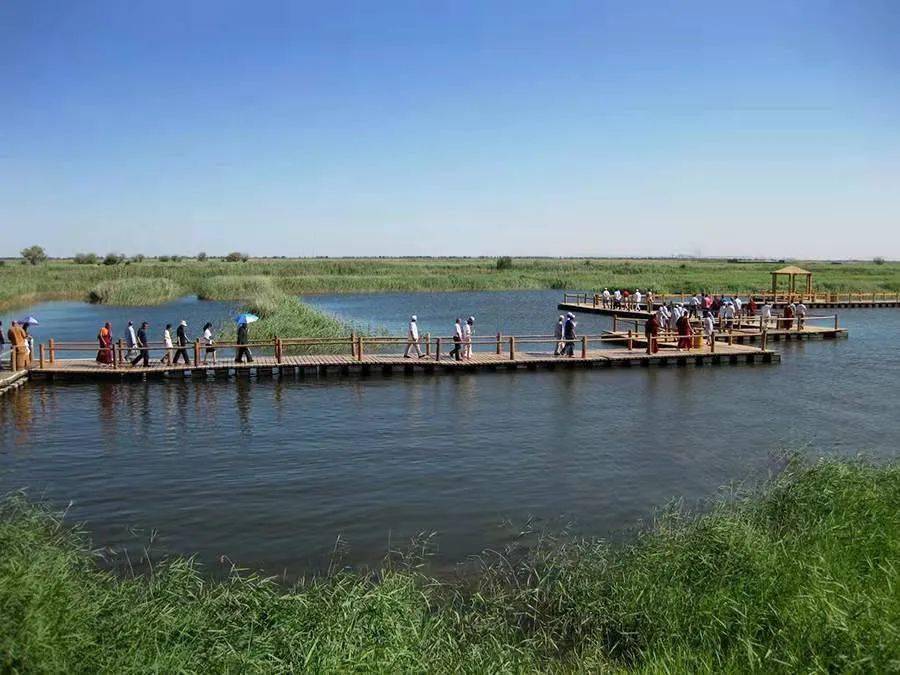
(162,258)
(237,256)
(504,263)
(113,259)
(85,259)
(878,261)
(138,258)
(174,258)
(201,256)
(34,255)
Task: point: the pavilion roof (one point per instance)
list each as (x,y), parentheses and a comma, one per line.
(791,269)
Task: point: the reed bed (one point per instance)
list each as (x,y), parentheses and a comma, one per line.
(135,291)
(798,576)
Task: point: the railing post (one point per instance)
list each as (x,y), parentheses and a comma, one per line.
(765,335)
(278,350)
(427,344)
(437,346)
(712,342)
(121,352)
(52,351)
(584,346)
(512,348)
(115,356)
(499,337)
(615,322)
(41,353)
(835,321)
(730,338)
(630,341)
(353,344)
(359,348)
(196,352)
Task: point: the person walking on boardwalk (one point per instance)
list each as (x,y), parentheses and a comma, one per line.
(570,334)
(606,297)
(764,315)
(787,321)
(104,338)
(243,339)
(801,315)
(167,342)
(210,344)
(412,338)
(617,299)
(709,327)
(751,307)
(728,315)
(182,340)
(130,340)
(13,335)
(637,298)
(142,344)
(456,352)
(558,334)
(684,331)
(467,338)
(651,332)
(694,306)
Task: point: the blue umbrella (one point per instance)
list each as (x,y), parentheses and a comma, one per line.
(246,318)
(30,321)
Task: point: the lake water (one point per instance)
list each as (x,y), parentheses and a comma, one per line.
(274,474)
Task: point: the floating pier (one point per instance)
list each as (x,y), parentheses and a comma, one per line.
(379,356)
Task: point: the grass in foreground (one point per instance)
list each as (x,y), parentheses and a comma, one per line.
(800,576)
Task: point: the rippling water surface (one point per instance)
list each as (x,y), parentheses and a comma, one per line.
(271,472)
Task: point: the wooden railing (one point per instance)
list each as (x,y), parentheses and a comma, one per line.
(436,348)
(852,297)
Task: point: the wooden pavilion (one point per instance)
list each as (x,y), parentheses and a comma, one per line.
(792,272)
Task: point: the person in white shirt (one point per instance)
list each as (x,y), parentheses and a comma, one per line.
(637,298)
(456,352)
(801,315)
(738,307)
(709,327)
(605,298)
(728,315)
(412,338)
(694,305)
(764,315)
(167,341)
(617,299)
(210,344)
(130,340)
(467,337)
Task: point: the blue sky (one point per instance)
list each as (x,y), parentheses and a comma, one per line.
(452,128)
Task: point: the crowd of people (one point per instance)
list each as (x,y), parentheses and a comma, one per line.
(462,339)
(138,346)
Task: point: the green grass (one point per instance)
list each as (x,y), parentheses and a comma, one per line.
(135,291)
(800,576)
(216,279)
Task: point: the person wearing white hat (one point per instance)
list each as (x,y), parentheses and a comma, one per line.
(183,341)
(569,334)
(558,334)
(412,338)
(467,337)
(606,297)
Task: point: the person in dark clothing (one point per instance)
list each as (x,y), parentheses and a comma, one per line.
(651,332)
(142,345)
(182,340)
(2,343)
(569,334)
(242,340)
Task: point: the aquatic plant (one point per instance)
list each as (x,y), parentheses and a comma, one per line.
(134,291)
(798,576)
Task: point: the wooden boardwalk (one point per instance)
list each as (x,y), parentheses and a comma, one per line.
(387,364)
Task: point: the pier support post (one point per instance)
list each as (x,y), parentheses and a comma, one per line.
(630,341)
(437,353)
(41,354)
(359,348)
(196,352)
(765,336)
(835,322)
(512,348)
(499,337)
(584,346)
(615,322)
